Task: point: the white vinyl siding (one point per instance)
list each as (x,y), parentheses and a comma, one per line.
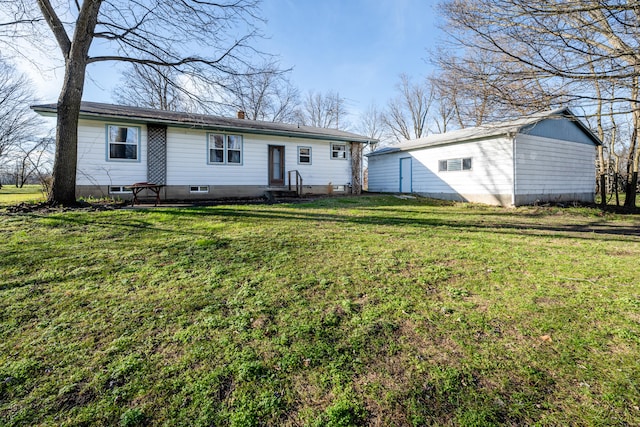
(187,160)
(492,171)
(552,166)
(94,168)
(186,163)
(382,173)
(540,169)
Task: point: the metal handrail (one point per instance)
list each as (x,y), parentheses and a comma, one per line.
(298,182)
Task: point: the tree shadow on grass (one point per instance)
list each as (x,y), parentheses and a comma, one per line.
(375,211)
(588,229)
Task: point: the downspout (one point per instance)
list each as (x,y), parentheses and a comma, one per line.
(513,153)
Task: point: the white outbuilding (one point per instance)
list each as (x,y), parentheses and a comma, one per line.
(547,157)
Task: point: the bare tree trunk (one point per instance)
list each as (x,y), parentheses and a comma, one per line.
(356,167)
(632,169)
(63,189)
(76,52)
(634,152)
(602,168)
(616,177)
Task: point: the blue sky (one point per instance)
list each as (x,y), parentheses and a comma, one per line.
(354,47)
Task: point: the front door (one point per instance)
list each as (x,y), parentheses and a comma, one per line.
(405,175)
(276,165)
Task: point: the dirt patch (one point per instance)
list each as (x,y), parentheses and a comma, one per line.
(77,395)
(47,207)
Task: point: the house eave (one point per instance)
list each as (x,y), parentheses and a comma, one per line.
(51,111)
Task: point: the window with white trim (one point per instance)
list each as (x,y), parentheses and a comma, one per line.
(339,151)
(123,142)
(119,189)
(224,149)
(198,189)
(304,155)
(452,165)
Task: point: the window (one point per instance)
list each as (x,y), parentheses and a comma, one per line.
(338,188)
(119,189)
(304,155)
(338,151)
(123,142)
(216,148)
(198,189)
(225,149)
(452,165)
(234,148)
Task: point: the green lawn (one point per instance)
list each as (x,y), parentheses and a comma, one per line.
(10,195)
(345,311)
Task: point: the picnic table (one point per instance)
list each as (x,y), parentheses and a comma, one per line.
(139,186)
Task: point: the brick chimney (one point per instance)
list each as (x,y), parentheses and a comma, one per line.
(241,114)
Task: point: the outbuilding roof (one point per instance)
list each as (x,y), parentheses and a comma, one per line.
(511,127)
(95,110)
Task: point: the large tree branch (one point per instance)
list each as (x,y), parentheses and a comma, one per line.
(56,25)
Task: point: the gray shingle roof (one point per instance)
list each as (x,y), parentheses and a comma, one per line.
(94,110)
(486,131)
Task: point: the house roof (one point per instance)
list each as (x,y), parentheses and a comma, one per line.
(95,110)
(487,131)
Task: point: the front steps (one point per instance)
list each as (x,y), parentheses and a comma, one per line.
(278,195)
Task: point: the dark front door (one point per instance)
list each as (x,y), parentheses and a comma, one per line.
(276,165)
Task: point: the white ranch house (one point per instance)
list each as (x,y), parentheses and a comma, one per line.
(547,157)
(207,157)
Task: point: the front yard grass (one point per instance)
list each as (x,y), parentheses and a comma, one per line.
(11,195)
(343,311)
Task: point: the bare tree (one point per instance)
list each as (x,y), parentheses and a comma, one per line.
(151,86)
(475,88)
(153,33)
(323,110)
(17,122)
(567,43)
(372,124)
(32,161)
(407,114)
(263,93)
(445,110)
